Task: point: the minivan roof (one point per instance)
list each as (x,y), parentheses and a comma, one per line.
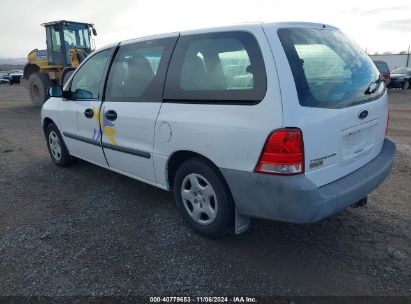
(245,26)
(241,26)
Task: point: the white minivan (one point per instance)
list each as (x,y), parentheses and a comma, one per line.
(282,121)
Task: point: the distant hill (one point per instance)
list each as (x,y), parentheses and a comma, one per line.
(9,67)
(7,64)
(13,61)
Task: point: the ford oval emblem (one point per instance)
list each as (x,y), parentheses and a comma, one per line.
(363,114)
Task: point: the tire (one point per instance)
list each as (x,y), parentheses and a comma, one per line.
(211,215)
(10,82)
(38,84)
(56,146)
(406,85)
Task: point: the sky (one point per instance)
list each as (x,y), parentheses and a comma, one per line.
(376,25)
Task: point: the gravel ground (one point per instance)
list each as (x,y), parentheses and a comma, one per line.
(84,230)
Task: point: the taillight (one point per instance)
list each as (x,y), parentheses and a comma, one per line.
(388,121)
(283,153)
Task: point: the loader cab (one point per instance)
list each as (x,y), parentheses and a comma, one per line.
(68,43)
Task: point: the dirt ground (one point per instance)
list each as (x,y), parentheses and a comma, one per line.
(83,230)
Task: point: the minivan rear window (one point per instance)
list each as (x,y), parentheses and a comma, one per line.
(329,69)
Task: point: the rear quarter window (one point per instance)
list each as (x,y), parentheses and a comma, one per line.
(221,68)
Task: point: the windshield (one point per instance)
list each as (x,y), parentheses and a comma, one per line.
(329,70)
(76,36)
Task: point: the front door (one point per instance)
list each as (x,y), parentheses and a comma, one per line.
(132,102)
(80,114)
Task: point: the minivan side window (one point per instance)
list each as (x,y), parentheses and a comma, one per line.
(86,82)
(138,71)
(224,67)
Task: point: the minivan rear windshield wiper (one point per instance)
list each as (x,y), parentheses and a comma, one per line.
(373,87)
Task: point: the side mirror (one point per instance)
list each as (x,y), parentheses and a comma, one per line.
(55,91)
(94,31)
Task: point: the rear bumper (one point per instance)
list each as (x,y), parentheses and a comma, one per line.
(296,199)
(396,84)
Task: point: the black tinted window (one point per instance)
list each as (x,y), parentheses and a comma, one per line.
(330,71)
(219,67)
(382,67)
(138,71)
(87,80)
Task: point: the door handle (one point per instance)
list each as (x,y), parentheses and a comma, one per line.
(111,115)
(89,113)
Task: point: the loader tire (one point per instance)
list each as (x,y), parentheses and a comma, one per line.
(38,85)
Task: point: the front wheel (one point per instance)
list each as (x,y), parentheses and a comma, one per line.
(203,198)
(56,146)
(406,85)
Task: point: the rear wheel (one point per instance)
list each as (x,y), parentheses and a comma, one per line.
(406,85)
(203,198)
(38,84)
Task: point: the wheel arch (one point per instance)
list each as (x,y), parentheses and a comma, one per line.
(29,69)
(46,122)
(178,157)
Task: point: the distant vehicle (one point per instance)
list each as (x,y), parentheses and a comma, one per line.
(15,76)
(382,66)
(4,78)
(400,78)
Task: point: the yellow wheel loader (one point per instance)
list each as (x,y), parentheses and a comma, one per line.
(68,44)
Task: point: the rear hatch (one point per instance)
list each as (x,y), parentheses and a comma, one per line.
(333,92)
